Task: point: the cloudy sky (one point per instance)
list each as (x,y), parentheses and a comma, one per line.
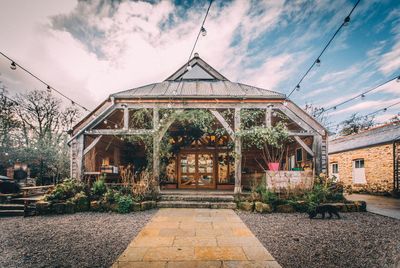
(90,49)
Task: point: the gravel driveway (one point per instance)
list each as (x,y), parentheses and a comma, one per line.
(77,240)
(356,240)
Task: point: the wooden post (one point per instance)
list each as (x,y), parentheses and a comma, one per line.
(268,117)
(156,147)
(317,149)
(238,154)
(77,157)
(126,118)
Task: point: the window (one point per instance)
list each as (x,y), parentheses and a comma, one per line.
(299,155)
(309,157)
(335,168)
(359,163)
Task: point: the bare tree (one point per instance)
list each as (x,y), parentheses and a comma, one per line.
(355,124)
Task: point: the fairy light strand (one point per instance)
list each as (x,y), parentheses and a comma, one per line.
(317,61)
(14,65)
(361,95)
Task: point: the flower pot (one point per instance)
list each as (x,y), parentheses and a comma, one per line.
(273,166)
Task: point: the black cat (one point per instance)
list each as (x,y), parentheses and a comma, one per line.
(322,209)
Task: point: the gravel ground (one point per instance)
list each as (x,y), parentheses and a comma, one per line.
(356,240)
(77,240)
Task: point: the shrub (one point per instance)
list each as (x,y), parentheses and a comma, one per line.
(99,187)
(81,201)
(65,190)
(124,204)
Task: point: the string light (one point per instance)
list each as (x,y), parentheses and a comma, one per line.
(398,79)
(346,20)
(318,62)
(362,95)
(48,89)
(203,31)
(298,87)
(13,66)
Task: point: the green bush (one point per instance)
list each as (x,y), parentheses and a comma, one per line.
(99,187)
(65,190)
(81,201)
(124,204)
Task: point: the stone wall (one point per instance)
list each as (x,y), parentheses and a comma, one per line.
(378,164)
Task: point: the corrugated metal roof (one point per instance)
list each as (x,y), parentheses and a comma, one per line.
(375,136)
(198,89)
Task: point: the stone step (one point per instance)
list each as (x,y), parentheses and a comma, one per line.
(192,204)
(12,207)
(9,213)
(198,198)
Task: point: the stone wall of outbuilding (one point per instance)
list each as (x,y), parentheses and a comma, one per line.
(378,164)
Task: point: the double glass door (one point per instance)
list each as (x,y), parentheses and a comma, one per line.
(196,170)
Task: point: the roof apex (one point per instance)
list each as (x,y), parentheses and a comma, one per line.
(208,72)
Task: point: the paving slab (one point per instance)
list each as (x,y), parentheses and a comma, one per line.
(183,237)
(382,205)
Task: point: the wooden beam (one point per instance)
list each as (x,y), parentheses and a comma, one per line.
(223,122)
(91,146)
(238,154)
(268,117)
(304,145)
(126,118)
(216,104)
(292,133)
(295,118)
(317,149)
(77,157)
(166,125)
(156,147)
(119,131)
(312,122)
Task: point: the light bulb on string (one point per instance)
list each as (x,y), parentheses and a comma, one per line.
(169,105)
(318,62)
(105,122)
(13,66)
(48,89)
(298,87)
(203,31)
(398,79)
(346,21)
(384,109)
(362,96)
(334,107)
(72,103)
(285,103)
(116,126)
(189,67)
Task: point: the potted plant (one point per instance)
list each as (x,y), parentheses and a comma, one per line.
(272,141)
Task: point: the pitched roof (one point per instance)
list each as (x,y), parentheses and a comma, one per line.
(200,80)
(379,135)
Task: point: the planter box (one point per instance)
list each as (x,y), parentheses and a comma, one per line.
(225,187)
(279,180)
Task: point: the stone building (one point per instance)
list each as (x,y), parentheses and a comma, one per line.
(368,160)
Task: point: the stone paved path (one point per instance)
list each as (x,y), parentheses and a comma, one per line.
(382,205)
(195,238)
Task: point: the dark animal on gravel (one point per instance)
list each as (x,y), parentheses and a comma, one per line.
(322,209)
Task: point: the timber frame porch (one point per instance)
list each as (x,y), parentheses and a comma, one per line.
(307,126)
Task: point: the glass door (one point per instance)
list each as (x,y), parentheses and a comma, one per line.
(196,170)
(205,174)
(188,171)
